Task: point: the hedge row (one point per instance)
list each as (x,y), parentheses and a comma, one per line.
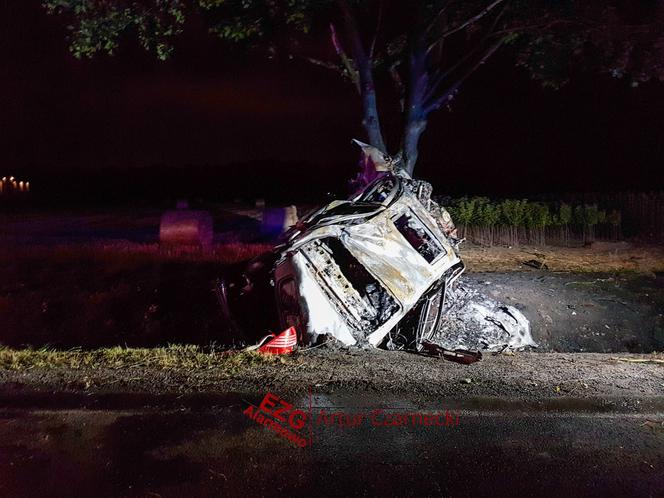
(483,212)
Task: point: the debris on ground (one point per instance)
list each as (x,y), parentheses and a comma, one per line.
(473,321)
(458,356)
(641,360)
(538,265)
(654,425)
(379,269)
(282,343)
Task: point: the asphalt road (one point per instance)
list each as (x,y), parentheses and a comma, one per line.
(217,450)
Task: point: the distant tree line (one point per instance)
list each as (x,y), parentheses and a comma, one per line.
(521,221)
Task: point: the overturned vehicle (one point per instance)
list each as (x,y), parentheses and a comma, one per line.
(379,269)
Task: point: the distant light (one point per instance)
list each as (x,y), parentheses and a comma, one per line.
(11,185)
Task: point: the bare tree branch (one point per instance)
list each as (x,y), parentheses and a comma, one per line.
(439,76)
(326,64)
(472,20)
(345,60)
(438,15)
(379,21)
(452,90)
(543,26)
(363,65)
(465,24)
(398,83)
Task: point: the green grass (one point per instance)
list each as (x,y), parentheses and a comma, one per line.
(171,357)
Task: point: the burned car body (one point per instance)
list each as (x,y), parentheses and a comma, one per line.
(377,269)
(353,269)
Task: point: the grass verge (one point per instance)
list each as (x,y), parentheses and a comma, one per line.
(171,357)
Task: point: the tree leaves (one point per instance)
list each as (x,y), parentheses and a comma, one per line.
(98,25)
(428,48)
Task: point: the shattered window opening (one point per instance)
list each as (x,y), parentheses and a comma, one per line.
(418,236)
(363,282)
(381,191)
(363,297)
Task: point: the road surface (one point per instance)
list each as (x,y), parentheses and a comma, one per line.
(498,447)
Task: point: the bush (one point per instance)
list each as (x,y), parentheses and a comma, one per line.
(487,213)
(537,215)
(462,211)
(482,215)
(586,216)
(565,214)
(513,212)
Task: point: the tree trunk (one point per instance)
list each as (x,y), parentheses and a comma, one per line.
(370,119)
(414,130)
(416,115)
(366,86)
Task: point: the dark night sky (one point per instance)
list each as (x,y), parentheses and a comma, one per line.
(209,107)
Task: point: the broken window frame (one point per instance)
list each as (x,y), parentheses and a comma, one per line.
(349,310)
(432,239)
(394,186)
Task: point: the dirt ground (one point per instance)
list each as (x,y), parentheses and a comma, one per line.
(577,312)
(599,257)
(547,378)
